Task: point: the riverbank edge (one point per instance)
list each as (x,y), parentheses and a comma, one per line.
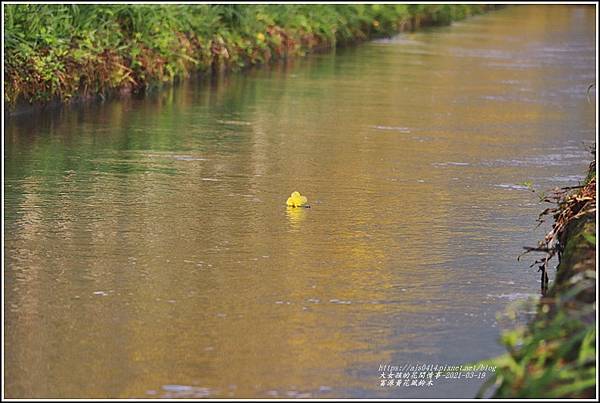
(109,75)
(555,355)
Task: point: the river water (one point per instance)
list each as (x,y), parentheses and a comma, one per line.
(149,252)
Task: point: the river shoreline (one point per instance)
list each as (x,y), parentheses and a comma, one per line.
(51,66)
(554,357)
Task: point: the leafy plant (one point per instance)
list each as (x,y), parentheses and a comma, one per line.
(67,50)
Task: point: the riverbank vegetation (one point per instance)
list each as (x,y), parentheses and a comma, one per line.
(555,356)
(61,52)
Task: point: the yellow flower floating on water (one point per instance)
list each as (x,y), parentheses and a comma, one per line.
(297,200)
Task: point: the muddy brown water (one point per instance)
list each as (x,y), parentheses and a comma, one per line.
(149,252)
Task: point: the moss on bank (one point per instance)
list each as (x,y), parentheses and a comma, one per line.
(58,52)
(555,356)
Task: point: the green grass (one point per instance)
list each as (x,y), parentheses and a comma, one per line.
(63,51)
(555,355)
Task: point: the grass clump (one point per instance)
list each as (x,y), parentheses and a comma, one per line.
(555,356)
(61,51)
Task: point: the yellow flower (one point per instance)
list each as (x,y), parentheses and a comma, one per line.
(260,37)
(376,23)
(296,200)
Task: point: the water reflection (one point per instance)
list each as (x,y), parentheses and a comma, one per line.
(296,215)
